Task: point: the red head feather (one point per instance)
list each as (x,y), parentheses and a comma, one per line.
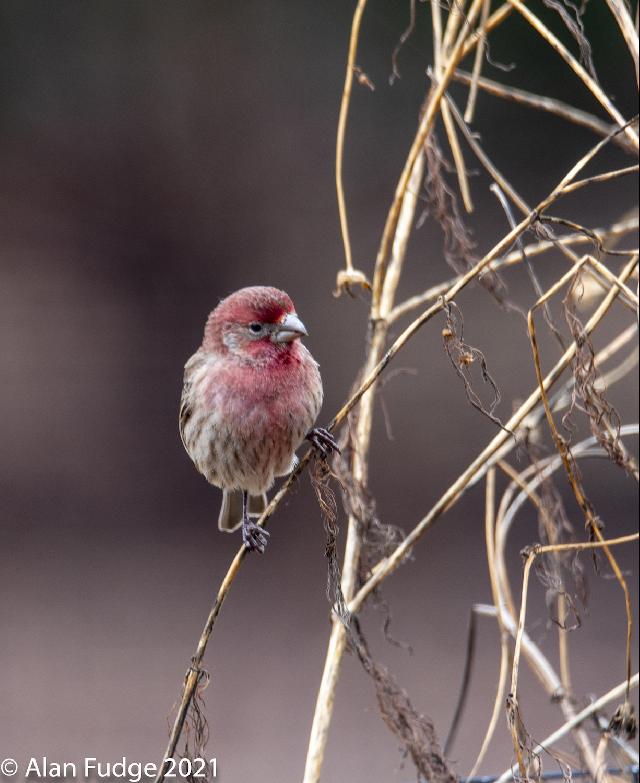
(255,303)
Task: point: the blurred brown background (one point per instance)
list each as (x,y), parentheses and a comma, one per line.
(155,157)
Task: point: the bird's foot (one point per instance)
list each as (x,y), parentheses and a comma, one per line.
(254,537)
(323,440)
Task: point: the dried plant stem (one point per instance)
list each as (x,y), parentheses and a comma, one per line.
(337,641)
(191,677)
(600,757)
(436,24)
(349,276)
(628,296)
(630,34)
(489,527)
(504,636)
(575,66)
(563,646)
(458,158)
(454,20)
(518,480)
(497,704)
(576,720)
(464,687)
(541,103)
(609,175)
(450,129)
(477,65)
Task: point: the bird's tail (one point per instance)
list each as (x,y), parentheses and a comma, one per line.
(230,517)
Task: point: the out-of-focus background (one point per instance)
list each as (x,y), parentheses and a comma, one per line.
(156,156)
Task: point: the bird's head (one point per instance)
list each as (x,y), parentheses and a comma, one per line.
(256,322)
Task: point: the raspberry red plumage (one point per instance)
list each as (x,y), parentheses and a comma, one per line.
(251,394)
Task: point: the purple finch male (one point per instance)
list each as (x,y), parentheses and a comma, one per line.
(251,395)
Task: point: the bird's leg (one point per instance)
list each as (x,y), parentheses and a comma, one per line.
(323,440)
(254,537)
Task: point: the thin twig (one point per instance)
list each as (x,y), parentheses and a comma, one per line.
(464,687)
(543,103)
(477,65)
(438,46)
(609,175)
(504,646)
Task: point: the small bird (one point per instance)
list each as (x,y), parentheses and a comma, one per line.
(251,395)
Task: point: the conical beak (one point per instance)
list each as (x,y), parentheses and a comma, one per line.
(290,328)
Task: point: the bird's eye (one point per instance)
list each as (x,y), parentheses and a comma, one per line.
(255,327)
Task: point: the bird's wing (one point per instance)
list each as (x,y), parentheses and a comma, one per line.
(185,414)
(186,406)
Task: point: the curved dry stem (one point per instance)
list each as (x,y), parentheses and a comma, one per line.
(348,275)
(464,687)
(489,530)
(477,65)
(497,705)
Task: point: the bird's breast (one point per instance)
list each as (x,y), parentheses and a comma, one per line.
(250,420)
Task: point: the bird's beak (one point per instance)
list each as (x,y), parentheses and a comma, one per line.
(290,328)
